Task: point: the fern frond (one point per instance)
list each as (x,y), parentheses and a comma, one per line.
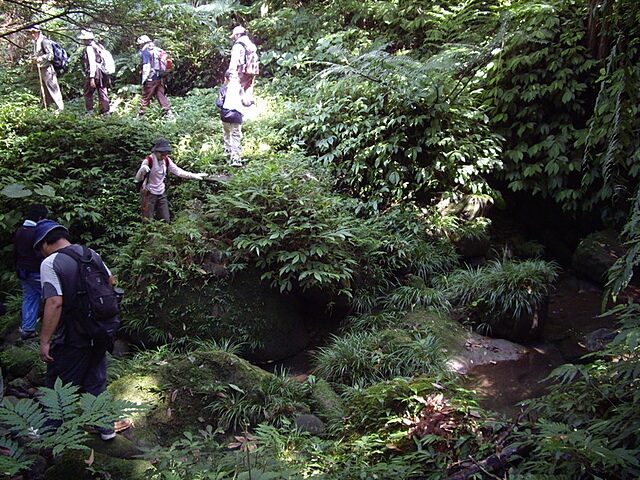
(23,418)
(66,438)
(14,450)
(102,410)
(59,402)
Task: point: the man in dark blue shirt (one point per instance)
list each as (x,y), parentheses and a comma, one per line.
(152,82)
(27,267)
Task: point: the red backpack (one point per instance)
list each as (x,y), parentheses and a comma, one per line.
(149,160)
(161,61)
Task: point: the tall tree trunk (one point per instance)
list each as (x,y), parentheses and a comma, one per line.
(598,35)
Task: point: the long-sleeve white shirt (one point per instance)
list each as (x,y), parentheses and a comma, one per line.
(155,181)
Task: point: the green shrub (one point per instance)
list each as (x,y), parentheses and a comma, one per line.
(276,401)
(567,123)
(19,361)
(365,358)
(589,421)
(392,129)
(502,291)
(423,419)
(167,279)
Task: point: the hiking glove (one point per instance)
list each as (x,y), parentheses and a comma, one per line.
(145,169)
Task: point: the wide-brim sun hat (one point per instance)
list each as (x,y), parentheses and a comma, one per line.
(142,39)
(86,35)
(238,31)
(34,28)
(43,227)
(162,145)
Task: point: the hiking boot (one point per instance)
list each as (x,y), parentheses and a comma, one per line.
(29,334)
(107,434)
(169,115)
(236,163)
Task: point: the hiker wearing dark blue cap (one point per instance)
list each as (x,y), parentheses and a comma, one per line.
(69,355)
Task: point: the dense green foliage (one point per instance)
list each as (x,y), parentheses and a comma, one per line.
(57,421)
(568,118)
(371,115)
(503,292)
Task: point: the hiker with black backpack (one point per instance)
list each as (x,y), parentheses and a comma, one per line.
(96,79)
(43,58)
(243,64)
(153,71)
(80,316)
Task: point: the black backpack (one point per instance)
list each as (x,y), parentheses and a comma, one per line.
(60,58)
(95,308)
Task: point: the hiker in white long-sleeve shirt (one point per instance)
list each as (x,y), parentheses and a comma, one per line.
(152,172)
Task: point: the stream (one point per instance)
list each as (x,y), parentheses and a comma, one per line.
(574,310)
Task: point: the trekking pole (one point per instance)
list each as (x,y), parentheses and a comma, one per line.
(44,101)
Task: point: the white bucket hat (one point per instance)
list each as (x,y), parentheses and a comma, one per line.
(142,39)
(238,31)
(86,35)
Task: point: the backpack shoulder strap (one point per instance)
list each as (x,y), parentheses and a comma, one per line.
(87,256)
(70,252)
(149,160)
(248,44)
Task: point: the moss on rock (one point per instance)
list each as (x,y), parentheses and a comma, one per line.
(19,361)
(326,402)
(180,389)
(75,464)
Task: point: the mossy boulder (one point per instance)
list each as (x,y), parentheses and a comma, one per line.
(182,388)
(326,402)
(73,464)
(272,318)
(20,361)
(595,254)
(241,308)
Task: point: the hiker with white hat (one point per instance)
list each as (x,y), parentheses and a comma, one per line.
(152,80)
(95,77)
(243,64)
(43,57)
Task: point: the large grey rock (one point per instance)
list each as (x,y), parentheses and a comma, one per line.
(596,254)
(597,340)
(310,423)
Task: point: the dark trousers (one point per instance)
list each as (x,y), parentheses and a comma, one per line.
(155,206)
(103,97)
(151,89)
(85,367)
